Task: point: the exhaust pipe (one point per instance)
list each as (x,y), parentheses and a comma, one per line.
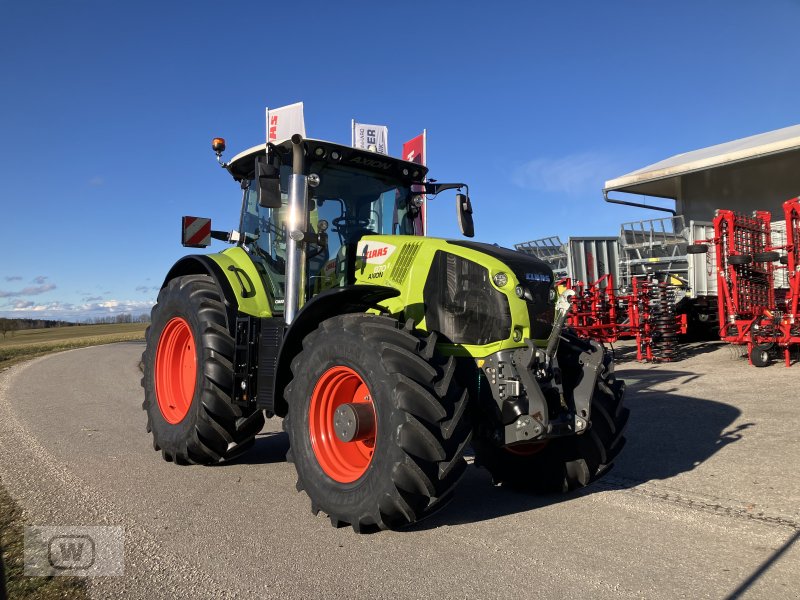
(296,225)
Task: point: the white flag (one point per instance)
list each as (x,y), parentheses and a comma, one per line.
(371,137)
(284,122)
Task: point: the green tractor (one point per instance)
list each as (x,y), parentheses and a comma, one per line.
(388,355)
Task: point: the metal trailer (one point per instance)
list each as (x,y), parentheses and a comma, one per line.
(655,249)
(648,250)
(594,259)
(550,250)
(584,259)
(628,286)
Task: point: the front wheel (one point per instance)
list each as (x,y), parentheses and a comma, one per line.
(568,463)
(188,377)
(376,423)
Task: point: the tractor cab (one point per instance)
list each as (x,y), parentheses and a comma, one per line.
(350,193)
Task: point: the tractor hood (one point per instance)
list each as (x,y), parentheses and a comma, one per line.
(527,268)
(535,277)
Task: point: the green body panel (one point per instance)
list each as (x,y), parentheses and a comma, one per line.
(405,264)
(245,281)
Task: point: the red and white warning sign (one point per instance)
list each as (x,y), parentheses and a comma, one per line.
(196,232)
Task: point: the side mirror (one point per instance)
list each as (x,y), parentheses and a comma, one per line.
(268,182)
(464,211)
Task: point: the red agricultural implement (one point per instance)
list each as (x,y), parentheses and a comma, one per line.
(751,311)
(646,313)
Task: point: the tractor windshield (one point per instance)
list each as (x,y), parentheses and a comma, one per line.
(346,205)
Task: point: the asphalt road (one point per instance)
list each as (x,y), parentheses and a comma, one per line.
(704,501)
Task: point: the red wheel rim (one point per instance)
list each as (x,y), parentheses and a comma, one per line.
(176,370)
(343,462)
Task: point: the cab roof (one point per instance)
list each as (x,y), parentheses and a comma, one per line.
(242,166)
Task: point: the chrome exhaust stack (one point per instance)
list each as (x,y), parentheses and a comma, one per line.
(296,226)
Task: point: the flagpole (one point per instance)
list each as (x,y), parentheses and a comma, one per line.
(425,164)
(352,133)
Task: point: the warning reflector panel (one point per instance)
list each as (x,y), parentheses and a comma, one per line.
(196,232)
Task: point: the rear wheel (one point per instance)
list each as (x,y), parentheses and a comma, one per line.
(563,464)
(188,377)
(376,423)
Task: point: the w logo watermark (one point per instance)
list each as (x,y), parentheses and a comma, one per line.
(74,550)
(71,552)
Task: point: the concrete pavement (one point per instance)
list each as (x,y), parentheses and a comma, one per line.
(704,501)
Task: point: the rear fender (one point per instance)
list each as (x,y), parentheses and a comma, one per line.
(203,265)
(236,278)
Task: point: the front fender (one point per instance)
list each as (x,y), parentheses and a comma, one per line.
(337,301)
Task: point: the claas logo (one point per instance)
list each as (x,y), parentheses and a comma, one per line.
(374,254)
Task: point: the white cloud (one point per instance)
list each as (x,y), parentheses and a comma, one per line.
(29,291)
(573,174)
(75,312)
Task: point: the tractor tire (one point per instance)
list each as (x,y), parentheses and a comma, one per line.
(760,356)
(766,257)
(404,450)
(740,259)
(697,249)
(563,464)
(188,377)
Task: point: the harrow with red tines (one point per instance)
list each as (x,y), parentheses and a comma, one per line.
(750,311)
(646,313)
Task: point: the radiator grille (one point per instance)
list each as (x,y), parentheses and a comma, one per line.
(461,303)
(404,261)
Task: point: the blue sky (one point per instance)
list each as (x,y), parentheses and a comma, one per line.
(107,110)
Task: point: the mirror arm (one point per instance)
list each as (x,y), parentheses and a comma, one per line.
(434,188)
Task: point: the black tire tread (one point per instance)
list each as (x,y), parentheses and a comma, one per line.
(223,430)
(567,463)
(434,433)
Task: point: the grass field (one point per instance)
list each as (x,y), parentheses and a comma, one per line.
(13,582)
(29,343)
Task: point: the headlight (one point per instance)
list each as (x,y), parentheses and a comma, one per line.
(500,279)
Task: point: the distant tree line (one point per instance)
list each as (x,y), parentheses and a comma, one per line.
(111,319)
(13,325)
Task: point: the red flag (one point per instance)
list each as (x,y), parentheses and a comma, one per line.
(414,151)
